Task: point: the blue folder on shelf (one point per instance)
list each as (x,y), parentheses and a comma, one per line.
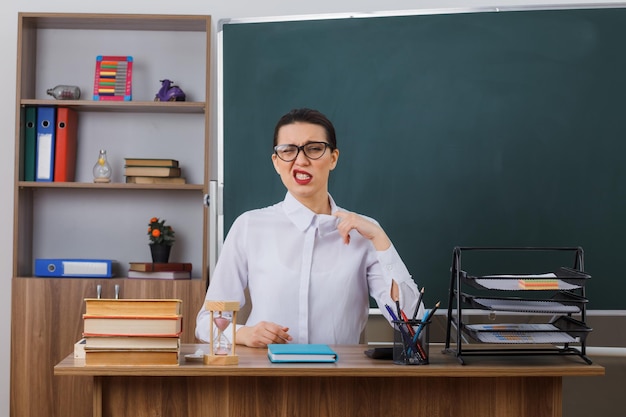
(84,268)
(293,352)
(46,126)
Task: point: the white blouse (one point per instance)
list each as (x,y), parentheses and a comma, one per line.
(300,274)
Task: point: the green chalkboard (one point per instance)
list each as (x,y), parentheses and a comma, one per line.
(460,129)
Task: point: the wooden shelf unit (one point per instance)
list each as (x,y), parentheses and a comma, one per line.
(86,220)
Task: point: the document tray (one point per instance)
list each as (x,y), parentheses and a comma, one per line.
(562,330)
(565,279)
(563,303)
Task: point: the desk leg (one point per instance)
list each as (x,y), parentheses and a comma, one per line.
(97,396)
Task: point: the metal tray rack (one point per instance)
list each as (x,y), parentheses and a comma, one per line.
(560,293)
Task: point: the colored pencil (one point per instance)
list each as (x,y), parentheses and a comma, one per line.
(419,301)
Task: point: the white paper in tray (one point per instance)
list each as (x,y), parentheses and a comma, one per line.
(526,305)
(525,337)
(513,285)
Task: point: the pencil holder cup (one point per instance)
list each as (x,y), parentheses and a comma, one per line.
(410,342)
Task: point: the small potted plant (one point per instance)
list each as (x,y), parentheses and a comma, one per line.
(161,240)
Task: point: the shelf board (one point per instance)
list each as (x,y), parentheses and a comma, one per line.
(109,186)
(122,106)
(89,21)
(115,279)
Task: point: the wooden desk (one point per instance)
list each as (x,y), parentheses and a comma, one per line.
(354,386)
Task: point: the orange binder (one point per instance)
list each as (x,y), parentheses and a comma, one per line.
(65,146)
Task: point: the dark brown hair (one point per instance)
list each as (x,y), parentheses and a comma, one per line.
(305,115)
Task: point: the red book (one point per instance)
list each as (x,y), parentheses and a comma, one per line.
(66,133)
(159,267)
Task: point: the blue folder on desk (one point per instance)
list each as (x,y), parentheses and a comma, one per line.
(293,352)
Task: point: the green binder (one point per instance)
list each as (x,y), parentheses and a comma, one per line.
(30,143)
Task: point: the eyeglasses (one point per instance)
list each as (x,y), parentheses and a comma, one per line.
(312,150)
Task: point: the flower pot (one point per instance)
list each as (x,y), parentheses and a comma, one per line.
(160,253)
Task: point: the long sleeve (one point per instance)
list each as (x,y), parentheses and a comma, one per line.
(393,268)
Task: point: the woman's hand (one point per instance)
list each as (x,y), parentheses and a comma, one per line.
(365,227)
(262,334)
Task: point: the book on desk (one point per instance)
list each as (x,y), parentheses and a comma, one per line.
(293,352)
(131,332)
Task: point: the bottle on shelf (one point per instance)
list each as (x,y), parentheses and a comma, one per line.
(64,92)
(102,169)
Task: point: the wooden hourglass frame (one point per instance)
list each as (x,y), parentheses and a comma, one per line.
(216,357)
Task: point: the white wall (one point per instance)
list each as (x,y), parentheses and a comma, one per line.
(219,10)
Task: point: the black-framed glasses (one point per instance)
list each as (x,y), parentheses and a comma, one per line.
(312,150)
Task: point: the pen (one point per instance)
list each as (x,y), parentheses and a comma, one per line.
(395,296)
(419,301)
(405,337)
(397,300)
(432,312)
(391,313)
(426,317)
(420,350)
(396,320)
(408,325)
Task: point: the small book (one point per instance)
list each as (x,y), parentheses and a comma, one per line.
(152,171)
(130,357)
(133,307)
(130,343)
(293,352)
(150,162)
(160,274)
(155,326)
(134,179)
(159,267)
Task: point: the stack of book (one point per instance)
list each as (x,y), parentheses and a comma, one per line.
(132,331)
(152,171)
(150,270)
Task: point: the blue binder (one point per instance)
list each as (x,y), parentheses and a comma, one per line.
(85,268)
(46,126)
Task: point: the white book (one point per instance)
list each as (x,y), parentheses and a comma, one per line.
(160,274)
(130,342)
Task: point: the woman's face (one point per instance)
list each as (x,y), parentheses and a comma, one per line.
(306,179)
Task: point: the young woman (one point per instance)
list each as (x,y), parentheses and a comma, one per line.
(309,266)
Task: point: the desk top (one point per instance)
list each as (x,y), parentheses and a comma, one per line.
(352,362)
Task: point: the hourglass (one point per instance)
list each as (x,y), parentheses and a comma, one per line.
(223,314)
